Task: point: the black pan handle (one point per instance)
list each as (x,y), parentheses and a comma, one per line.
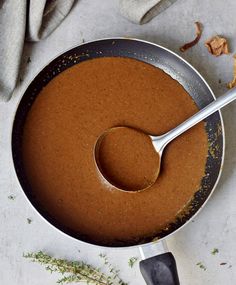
(160,270)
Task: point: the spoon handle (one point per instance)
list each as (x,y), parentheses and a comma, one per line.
(219,103)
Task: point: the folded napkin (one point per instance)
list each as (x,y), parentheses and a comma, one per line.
(36,19)
(20,19)
(142,11)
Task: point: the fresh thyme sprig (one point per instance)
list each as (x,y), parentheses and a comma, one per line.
(75,271)
(112,270)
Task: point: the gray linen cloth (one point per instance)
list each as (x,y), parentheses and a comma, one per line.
(142,11)
(36,19)
(20,19)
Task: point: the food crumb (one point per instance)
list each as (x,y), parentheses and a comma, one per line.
(11,197)
(29,221)
(223,263)
(217,46)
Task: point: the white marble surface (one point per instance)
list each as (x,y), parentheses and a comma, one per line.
(214,227)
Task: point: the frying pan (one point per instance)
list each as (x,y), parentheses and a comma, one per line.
(160,269)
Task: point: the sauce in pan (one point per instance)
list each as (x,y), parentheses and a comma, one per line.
(127,167)
(59,136)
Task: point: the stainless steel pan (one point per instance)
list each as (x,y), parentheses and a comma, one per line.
(160,269)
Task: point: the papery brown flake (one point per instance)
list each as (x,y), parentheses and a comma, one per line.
(217,46)
(196,40)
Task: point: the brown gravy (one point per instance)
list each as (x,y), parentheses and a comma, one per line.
(63,125)
(127,158)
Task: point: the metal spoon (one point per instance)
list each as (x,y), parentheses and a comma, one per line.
(160,142)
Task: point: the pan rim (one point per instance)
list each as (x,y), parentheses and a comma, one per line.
(181,60)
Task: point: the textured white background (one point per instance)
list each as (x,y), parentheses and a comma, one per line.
(215,226)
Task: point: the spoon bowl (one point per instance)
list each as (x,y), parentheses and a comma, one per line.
(126,177)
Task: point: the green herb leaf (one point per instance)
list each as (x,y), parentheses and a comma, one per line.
(201,266)
(29,221)
(114,273)
(214,251)
(74,271)
(11,197)
(132,261)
